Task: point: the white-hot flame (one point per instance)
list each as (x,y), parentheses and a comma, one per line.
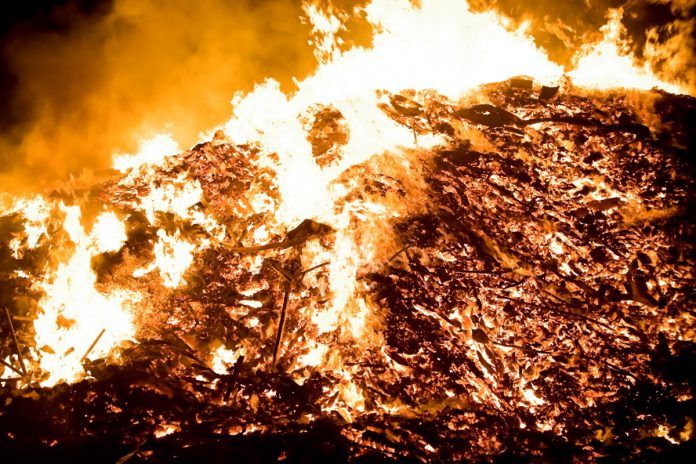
(172,256)
(152,151)
(440,45)
(73,312)
(609,63)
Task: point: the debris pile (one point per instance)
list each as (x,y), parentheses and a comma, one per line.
(535,306)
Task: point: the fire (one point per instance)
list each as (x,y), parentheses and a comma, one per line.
(424,55)
(173,256)
(73,312)
(224,359)
(413,49)
(35,211)
(435,44)
(152,151)
(609,64)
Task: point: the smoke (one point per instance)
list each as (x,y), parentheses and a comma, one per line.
(87,78)
(671,46)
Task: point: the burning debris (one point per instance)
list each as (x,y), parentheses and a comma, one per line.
(396,275)
(533,305)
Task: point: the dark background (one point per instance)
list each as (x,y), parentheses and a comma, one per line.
(35,17)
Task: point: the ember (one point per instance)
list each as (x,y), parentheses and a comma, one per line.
(390,264)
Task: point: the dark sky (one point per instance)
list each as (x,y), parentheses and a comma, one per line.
(19,19)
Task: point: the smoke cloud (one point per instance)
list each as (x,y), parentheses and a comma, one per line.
(84,78)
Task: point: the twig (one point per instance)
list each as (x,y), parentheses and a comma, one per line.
(247,203)
(14,337)
(9,366)
(275,265)
(281,323)
(241,236)
(476,271)
(314,268)
(558,311)
(84,356)
(513,284)
(130,455)
(401,250)
(269,246)
(618,369)
(232,377)
(289,279)
(523,348)
(578,315)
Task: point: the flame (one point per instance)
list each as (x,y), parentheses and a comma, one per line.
(172,257)
(609,63)
(73,312)
(177,197)
(324,30)
(152,150)
(438,45)
(224,358)
(435,44)
(108,233)
(36,212)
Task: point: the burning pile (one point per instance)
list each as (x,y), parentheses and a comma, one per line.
(400,276)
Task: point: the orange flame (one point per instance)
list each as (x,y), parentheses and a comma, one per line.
(438,44)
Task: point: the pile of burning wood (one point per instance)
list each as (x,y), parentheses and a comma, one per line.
(535,304)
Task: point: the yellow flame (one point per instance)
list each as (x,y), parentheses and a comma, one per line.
(434,44)
(36,212)
(153,150)
(173,256)
(441,45)
(73,312)
(609,63)
(224,358)
(108,233)
(325,26)
(177,197)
